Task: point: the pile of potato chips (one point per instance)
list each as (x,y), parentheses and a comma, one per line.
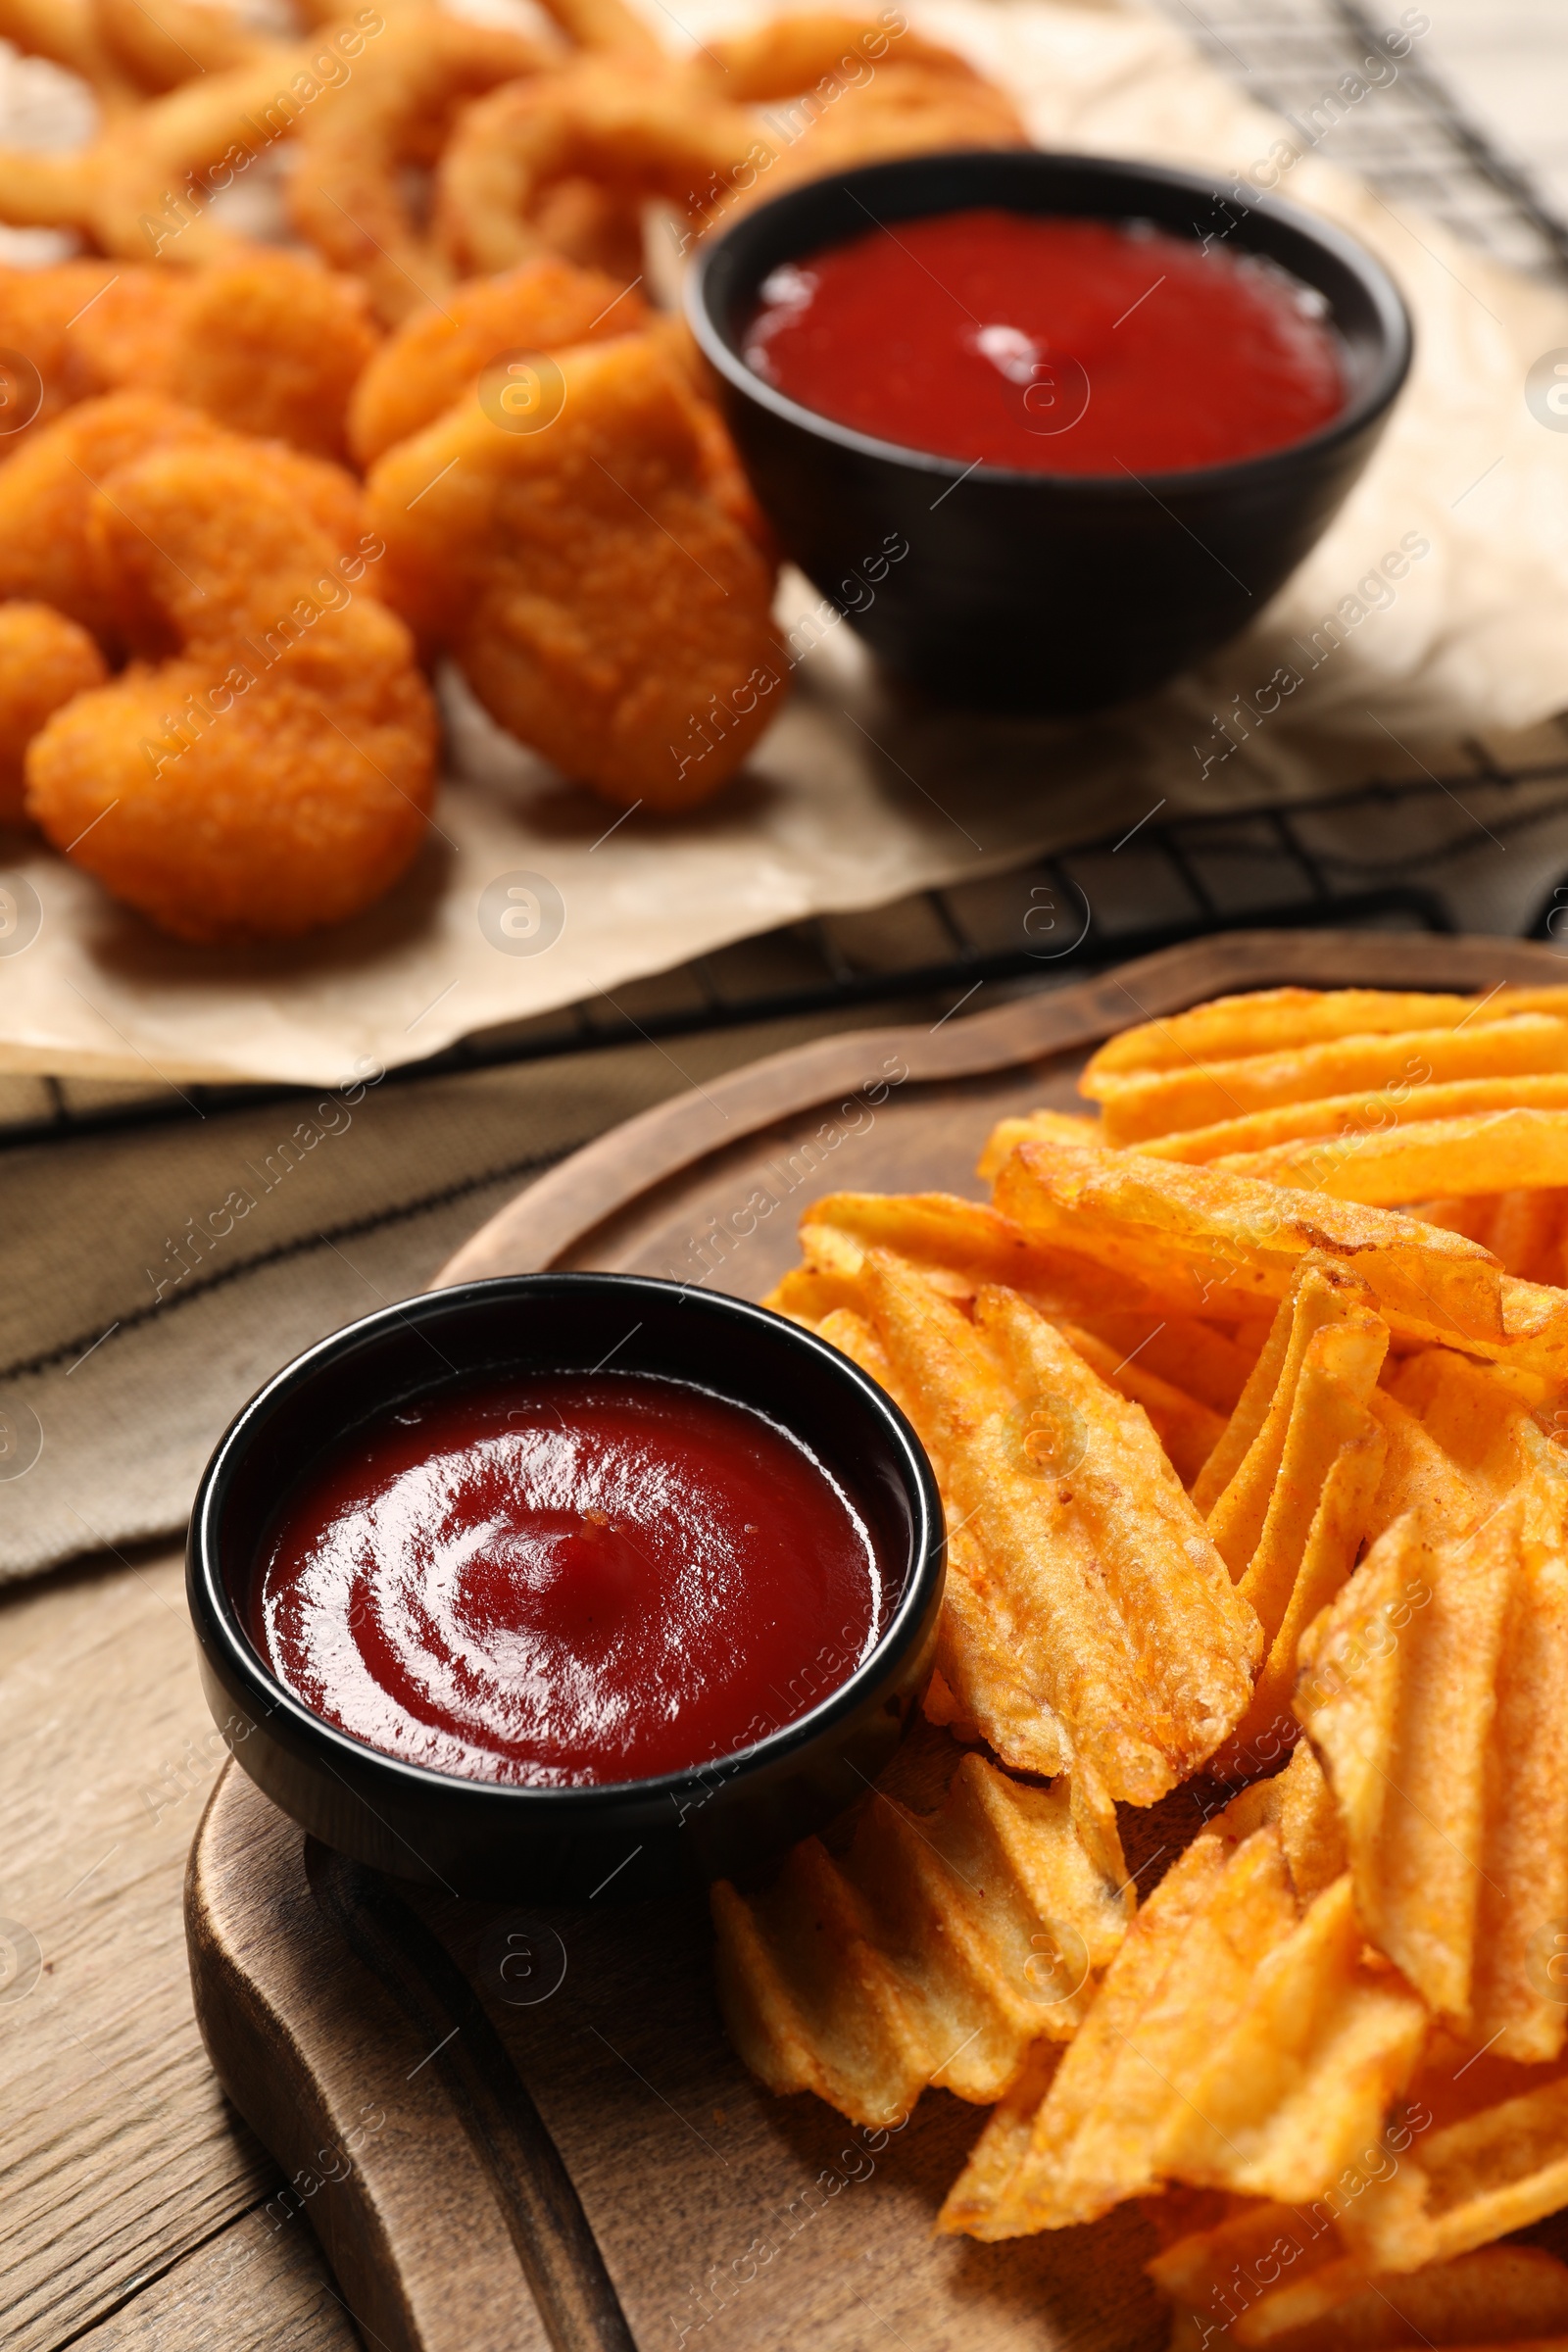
(1246,1401)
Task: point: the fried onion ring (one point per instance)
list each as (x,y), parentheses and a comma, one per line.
(793,55)
(684,136)
(159,44)
(276,772)
(67,32)
(590,576)
(142,188)
(439,355)
(638,134)
(46,660)
(395,111)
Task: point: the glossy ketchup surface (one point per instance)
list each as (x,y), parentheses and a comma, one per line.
(1058,346)
(567,1578)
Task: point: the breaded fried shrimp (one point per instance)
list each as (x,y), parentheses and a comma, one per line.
(47,548)
(276,773)
(439,354)
(46,660)
(592,578)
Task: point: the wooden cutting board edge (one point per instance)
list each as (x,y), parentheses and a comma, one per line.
(560,1212)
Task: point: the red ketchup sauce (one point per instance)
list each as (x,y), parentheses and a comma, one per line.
(565,1580)
(1057,346)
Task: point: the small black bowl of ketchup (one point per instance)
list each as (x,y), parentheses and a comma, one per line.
(1047,429)
(565,1584)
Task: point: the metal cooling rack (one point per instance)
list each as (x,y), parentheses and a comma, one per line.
(1385,854)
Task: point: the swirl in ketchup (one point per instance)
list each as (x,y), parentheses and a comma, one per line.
(1050,345)
(565,1580)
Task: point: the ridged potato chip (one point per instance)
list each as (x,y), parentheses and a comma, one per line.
(1436,1691)
(1272,1019)
(937,1949)
(1288,1492)
(1197,1093)
(1126,1648)
(1241,2040)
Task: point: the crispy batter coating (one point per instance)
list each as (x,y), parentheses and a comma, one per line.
(440,353)
(46,368)
(268,343)
(44,661)
(911,107)
(274,345)
(793,54)
(48,549)
(590,576)
(46,495)
(276,773)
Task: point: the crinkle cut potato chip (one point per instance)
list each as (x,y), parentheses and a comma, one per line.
(1488,2154)
(1300,1287)
(1527,1045)
(1279,2275)
(1364,1113)
(1436,1691)
(1275,1019)
(1243,2040)
(960,1244)
(937,1949)
(1213,1242)
(1127,1654)
(1488,1151)
(1289,1491)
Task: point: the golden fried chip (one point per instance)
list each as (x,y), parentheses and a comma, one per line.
(1230,1237)
(1272,1019)
(1289,1517)
(1522,1148)
(937,1949)
(1054,1126)
(1278,2275)
(1239,2041)
(1188,1430)
(961,1244)
(1266,2268)
(1155,1102)
(1362,1113)
(1436,1690)
(1121,1624)
(1498,2163)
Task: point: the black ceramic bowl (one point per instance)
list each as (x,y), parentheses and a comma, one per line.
(1038,591)
(481,1839)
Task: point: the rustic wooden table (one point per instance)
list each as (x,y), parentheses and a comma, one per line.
(134,2198)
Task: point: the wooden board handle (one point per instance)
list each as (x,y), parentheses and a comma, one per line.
(559,2255)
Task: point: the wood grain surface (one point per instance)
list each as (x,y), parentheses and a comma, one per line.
(136,2206)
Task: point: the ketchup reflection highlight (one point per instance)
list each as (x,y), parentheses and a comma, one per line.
(567,1580)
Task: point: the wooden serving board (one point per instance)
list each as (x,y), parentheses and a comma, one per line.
(724,2218)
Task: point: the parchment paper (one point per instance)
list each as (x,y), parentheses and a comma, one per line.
(853,799)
